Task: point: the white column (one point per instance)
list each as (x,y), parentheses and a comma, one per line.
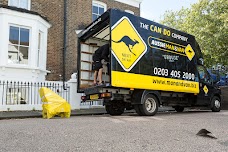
(4,40)
(75,98)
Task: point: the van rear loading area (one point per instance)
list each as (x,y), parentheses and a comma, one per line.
(149,65)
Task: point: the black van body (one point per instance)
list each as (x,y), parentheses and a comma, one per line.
(150,65)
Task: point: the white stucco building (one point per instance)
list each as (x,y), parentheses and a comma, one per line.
(23,42)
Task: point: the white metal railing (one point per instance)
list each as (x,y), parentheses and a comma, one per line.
(92,104)
(22,95)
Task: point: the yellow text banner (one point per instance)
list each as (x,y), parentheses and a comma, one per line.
(138,81)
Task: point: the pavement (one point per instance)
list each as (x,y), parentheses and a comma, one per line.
(38,114)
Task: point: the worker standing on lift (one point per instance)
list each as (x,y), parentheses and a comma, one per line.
(102,53)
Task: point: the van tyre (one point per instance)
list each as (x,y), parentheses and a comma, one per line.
(179,109)
(215,104)
(114,109)
(137,109)
(149,106)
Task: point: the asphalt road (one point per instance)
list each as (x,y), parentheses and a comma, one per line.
(164,132)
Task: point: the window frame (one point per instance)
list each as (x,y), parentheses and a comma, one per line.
(19,45)
(99,3)
(130,11)
(19,4)
(39,48)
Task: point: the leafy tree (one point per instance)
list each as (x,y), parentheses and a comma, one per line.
(207,20)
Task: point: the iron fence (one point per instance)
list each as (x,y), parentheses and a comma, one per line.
(22,93)
(91,104)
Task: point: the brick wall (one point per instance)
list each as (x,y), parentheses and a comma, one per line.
(224,98)
(53,11)
(79,15)
(3,2)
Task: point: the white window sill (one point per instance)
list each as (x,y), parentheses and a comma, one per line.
(17,66)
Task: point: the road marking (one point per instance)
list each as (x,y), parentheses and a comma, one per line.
(123,119)
(134,119)
(116,120)
(157,118)
(113,119)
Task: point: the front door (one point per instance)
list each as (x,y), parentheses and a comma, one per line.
(206,86)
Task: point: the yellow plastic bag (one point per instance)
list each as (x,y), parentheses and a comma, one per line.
(53,104)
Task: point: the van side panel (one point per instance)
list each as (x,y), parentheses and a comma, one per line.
(148,55)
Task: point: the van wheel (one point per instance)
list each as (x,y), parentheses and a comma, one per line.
(215,104)
(137,109)
(179,108)
(115,109)
(149,106)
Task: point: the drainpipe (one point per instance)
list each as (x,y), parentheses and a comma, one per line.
(64,43)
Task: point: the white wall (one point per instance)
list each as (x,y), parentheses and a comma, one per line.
(135,3)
